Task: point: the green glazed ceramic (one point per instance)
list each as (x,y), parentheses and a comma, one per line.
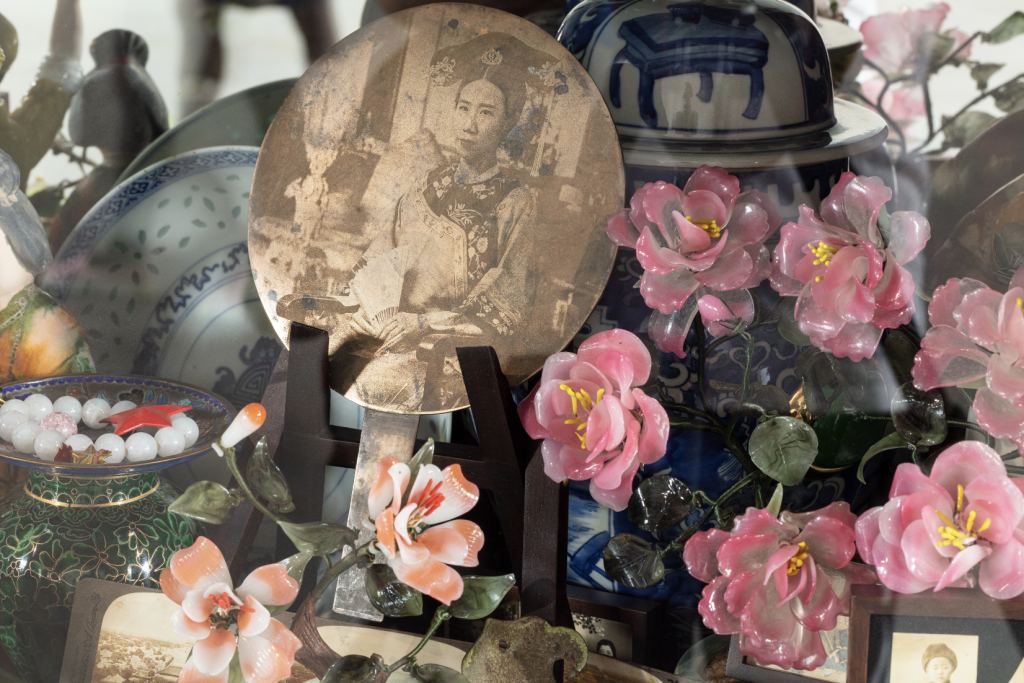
(70,521)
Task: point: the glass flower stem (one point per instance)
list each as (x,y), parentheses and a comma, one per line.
(229,456)
(440,616)
(680,541)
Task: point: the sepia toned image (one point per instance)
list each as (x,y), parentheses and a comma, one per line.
(934,658)
(466,207)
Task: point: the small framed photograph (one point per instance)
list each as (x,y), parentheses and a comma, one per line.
(605,637)
(957,635)
(835,642)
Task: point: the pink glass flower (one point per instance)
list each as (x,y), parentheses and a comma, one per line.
(594,423)
(768,580)
(422,524)
(903,103)
(221,618)
(851,282)
(977,335)
(706,238)
(936,528)
(898,41)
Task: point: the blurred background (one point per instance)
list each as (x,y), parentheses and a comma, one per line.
(264,44)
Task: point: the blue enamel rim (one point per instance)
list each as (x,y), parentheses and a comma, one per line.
(127,382)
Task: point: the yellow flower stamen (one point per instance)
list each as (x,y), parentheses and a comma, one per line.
(708,225)
(797,560)
(824,253)
(951,533)
(581,399)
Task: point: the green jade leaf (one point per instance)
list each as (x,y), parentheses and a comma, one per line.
(659,503)
(355,669)
(775,504)
(481,595)
(886,443)
(264,476)
(783,448)
(207,501)
(1009,28)
(436,673)
(632,561)
(390,596)
(319,538)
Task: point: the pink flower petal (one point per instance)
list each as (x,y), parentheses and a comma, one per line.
(866,532)
(606,426)
(1001,576)
(550,450)
(200,565)
(954,367)
(263,661)
(668,332)
(749,224)
(891,565)
(717,180)
(659,200)
(185,627)
(962,462)
(254,619)
(612,371)
(961,564)
(768,630)
(924,562)
(270,585)
(839,510)
(855,341)
(190,673)
(382,490)
(760,521)
(705,205)
(762,269)
(731,268)
(915,504)
(932,526)
(1003,504)
(744,553)
(618,467)
(854,203)
(820,324)
(713,609)
(701,554)
(829,541)
(1005,380)
(460,495)
(657,258)
(821,610)
(668,293)
(895,291)
(434,578)
(766,204)
(624,342)
(692,238)
(909,231)
(947,297)
(654,434)
(737,305)
(741,590)
(910,479)
(1011,325)
(890,521)
(1001,418)
(618,498)
(622,231)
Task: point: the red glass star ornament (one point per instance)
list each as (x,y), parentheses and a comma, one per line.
(146,415)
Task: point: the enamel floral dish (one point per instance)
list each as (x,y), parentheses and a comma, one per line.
(158,276)
(211,413)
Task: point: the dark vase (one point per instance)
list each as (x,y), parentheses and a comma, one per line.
(57,530)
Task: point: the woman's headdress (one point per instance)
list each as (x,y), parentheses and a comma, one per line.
(937,650)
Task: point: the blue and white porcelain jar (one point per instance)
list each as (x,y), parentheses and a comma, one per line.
(741,84)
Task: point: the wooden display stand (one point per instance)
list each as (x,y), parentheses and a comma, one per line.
(532,509)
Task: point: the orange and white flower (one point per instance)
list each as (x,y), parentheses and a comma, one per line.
(421,522)
(220,618)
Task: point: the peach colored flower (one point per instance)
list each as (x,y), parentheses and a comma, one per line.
(220,618)
(421,522)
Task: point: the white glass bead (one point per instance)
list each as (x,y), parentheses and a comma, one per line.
(39,406)
(169,441)
(141,446)
(94,410)
(69,405)
(24,435)
(47,442)
(188,428)
(112,443)
(122,406)
(78,442)
(10,420)
(15,404)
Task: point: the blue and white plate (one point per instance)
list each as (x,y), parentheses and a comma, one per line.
(158,276)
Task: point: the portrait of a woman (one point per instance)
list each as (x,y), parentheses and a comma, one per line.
(453,266)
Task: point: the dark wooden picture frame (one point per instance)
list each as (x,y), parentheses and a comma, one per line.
(949,604)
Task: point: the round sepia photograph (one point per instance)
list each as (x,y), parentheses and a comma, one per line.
(442,178)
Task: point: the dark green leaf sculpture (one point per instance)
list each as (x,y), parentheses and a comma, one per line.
(436,673)
(783,448)
(265,477)
(659,503)
(632,561)
(481,595)
(390,596)
(919,416)
(356,669)
(207,501)
(319,538)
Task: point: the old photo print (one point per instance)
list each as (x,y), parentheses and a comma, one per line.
(442,178)
(933,658)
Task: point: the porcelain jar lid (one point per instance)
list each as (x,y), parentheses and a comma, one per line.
(705,70)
